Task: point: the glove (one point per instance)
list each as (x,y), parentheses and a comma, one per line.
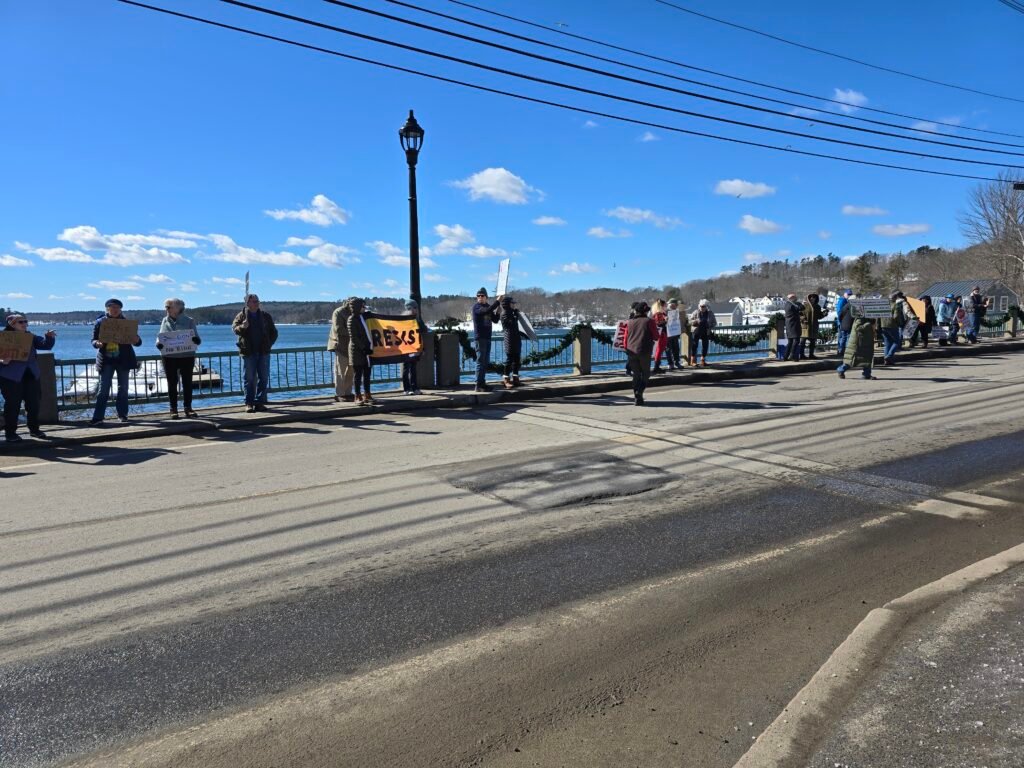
(159,345)
(97,345)
(195,340)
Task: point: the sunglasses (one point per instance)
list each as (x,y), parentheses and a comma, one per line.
(21,322)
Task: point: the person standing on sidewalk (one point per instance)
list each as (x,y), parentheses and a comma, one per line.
(337,342)
(809,321)
(113,359)
(178,363)
(513,338)
(891,328)
(660,317)
(860,351)
(794,326)
(844,317)
(360,348)
(924,328)
(701,323)
(409,383)
(976,308)
(946,316)
(674,348)
(19,381)
(257,334)
(641,331)
(485,315)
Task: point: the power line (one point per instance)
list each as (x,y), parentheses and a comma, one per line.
(647,83)
(592,92)
(839,55)
(547,102)
(684,65)
(1019,7)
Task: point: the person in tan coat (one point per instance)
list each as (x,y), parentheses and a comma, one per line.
(337,342)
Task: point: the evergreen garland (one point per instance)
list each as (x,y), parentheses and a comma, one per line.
(1011,313)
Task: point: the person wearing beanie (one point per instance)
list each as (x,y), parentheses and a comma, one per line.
(702,321)
(177,364)
(641,331)
(20,381)
(337,342)
(485,314)
(112,359)
(513,338)
(409,363)
(256,335)
(360,348)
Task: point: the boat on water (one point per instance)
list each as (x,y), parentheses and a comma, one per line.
(149,381)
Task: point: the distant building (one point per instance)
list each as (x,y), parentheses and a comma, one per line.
(1000,297)
(727,312)
(758,306)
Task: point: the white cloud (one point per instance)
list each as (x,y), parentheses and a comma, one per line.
(784,252)
(897,230)
(452,238)
(229,280)
(55,297)
(590,124)
(757,226)
(804,112)
(824,234)
(331,255)
(648,136)
(177,233)
(601,233)
(293,242)
(751,258)
(432,277)
(59,254)
(233,253)
(287,283)
(643,215)
(364,286)
(125,250)
(13,261)
(924,125)
(499,185)
(575,268)
(134,298)
(87,297)
(393,256)
(941,126)
(116,285)
(18,295)
(153,278)
(549,221)
(863,210)
(851,99)
(188,287)
(741,188)
(322,211)
(483,252)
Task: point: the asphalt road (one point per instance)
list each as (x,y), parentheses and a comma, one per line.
(576,582)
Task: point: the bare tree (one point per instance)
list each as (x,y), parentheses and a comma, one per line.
(994,220)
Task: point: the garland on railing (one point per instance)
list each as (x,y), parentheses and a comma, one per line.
(1011,313)
(534,357)
(736,341)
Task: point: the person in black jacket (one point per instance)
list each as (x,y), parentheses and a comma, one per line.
(112,359)
(485,314)
(513,342)
(924,327)
(360,348)
(256,335)
(794,314)
(845,327)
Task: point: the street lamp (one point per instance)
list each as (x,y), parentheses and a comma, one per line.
(411,136)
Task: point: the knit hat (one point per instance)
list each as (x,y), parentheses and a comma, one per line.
(950,296)
(113,303)
(15,316)
(848,292)
(895,295)
(482,292)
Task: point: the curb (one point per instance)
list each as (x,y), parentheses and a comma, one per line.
(555,388)
(794,734)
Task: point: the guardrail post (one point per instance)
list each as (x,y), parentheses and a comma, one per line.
(448,363)
(48,381)
(773,338)
(581,353)
(425,365)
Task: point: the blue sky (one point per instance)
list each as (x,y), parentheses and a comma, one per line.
(145,156)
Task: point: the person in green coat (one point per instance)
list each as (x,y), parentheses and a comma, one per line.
(860,350)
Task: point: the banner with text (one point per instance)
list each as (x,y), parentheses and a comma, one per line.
(873,309)
(119,330)
(393,336)
(177,342)
(15,345)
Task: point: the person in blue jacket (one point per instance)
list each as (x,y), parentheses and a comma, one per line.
(111,359)
(19,381)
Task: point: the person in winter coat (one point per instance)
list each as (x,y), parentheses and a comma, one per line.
(112,359)
(844,316)
(513,342)
(256,335)
(19,381)
(946,316)
(674,348)
(860,351)
(891,328)
(177,364)
(660,317)
(485,314)
(924,328)
(794,327)
(641,331)
(359,350)
(809,321)
(409,363)
(337,342)
(976,306)
(702,321)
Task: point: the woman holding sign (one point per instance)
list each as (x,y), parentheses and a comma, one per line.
(19,375)
(113,337)
(177,342)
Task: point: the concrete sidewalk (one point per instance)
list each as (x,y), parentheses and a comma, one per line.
(540,388)
(950,691)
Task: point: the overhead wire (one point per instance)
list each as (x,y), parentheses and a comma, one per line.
(658,86)
(547,102)
(822,51)
(593,92)
(716,73)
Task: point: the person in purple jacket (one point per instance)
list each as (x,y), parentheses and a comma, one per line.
(19,381)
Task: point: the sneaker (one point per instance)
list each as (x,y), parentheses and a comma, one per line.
(96,423)
(417,392)
(14,438)
(261,407)
(369,401)
(190,414)
(123,419)
(38,434)
(174,415)
(250,409)
(484,388)
(842,374)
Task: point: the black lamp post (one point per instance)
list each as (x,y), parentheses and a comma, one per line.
(411,136)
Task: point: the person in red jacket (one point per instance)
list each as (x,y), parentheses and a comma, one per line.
(641,331)
(660,318)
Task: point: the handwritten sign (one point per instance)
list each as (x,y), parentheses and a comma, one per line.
(119,330)
(393,335)
(177,342)
(673,325)
(619,342)
(502,287)
(15,345)
(873,309)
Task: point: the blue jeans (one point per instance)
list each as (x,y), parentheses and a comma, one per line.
(866,373)
(106,381)
(893,340)
(257,378)
(841,339)
(483,359)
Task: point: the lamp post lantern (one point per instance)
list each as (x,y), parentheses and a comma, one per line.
(411,136)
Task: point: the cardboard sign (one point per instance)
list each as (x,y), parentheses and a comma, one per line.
(15,345)
(502,287)
(393,335)
(619,342)
(673,325)
(177,342)
(873,309)
(910,328)
(918,306)
(118,330)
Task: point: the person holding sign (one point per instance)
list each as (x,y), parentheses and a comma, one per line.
(674,329)
(485,314)
(19,378)
(360,348)
(177,342)
(660,316)
(114,337)
(256,335)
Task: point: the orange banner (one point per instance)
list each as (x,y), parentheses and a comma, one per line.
(394,336)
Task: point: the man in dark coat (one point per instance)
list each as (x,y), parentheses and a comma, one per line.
(641,331)
(256,335)
(794,314)
(485,314)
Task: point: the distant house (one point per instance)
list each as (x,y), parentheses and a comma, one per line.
(727,312)
(1000,297)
